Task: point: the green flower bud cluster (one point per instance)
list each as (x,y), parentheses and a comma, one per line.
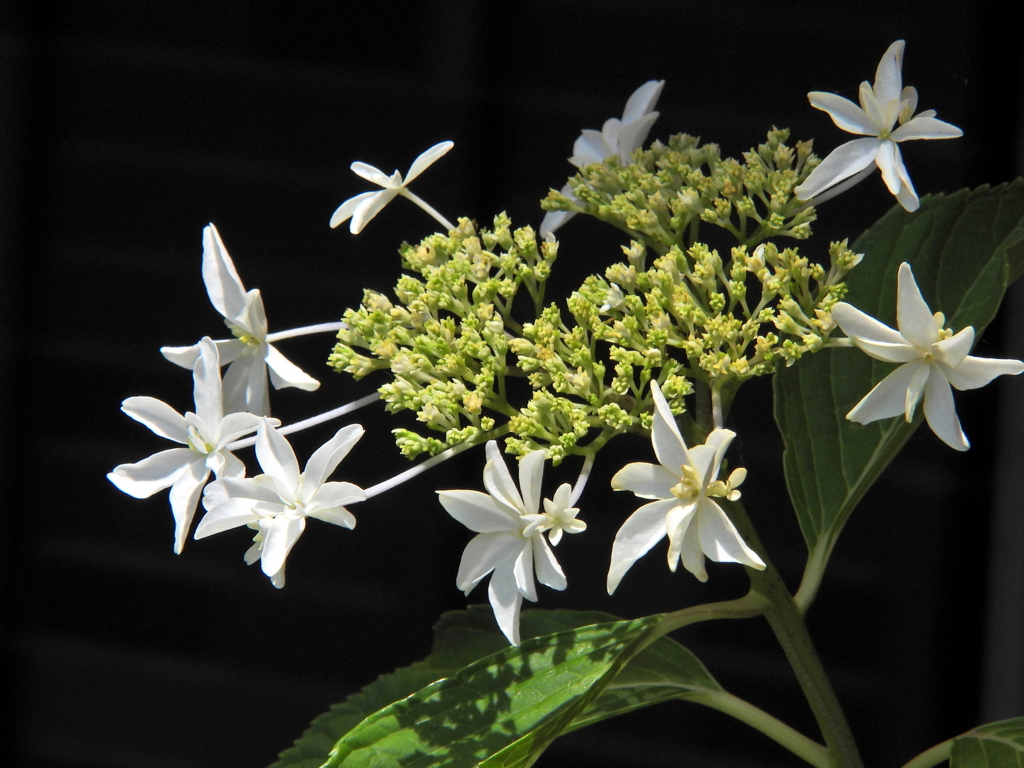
(729,320)
(445,340)
(668,190)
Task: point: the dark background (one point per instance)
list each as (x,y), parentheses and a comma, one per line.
(126,127)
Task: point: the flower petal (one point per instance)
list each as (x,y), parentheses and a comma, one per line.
(648,481)
(940,412)
(691,553)
(844,113)
(913,317)
(331,495)
(974,372)
(282,534)
(506,601)
(844,161)
(369,208)
(642,101)
(498,482)
(925,127)
(276,456)
(669,446)
(522,569)
(158,416)
(531,474)
(477,511)
(372,174)
(154,473)
(184,499)
(483,553)
(632,136)
(719,538)
(426,159)
(335,515)
(873,337)
(888,83)
(951,352)
(549,572)
(226,515)
(224,286)
(328,456)
(206,391)
(886,160)
(888,398)
(641,531)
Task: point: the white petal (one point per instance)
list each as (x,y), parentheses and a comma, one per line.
(888,83)
(498,481)
(235,425)
(641,531)
(633,135)
(940,412)
(691,553)
(590,147)
(522,569)
(336,516)
(668,444)
(531,474)
(253,317)
(158,416)
(922,372)
(345,210)
(184,356)
(888,398)
(330,495)
(642,100)
(886,160)
(152,474)
(648,481)
(922,127)
(549,572)
(224,286)
(974,372)
(284,373)
(913,317)
(719,538)
(185,497)
(717,444)
(276,456)
(844,113)
(951,352)
(477,511)
(369,208)
(326,458)
(206,390)
(677,523)
(907,196)
(506,600)
(373,174)
(281,537)
(426,159)
(844,161)
(225,516)
(873,337)
(483,553)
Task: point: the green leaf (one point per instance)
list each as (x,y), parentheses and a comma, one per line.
(996,745)
(662,671)
(964,248)
(464,719)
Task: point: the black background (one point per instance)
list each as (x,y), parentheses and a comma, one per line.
(126,127)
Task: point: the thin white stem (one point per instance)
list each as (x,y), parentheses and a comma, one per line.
(313,421)
(716,408)
(304,331)
(409,474)
(581,483)
(838,189)
(448,226)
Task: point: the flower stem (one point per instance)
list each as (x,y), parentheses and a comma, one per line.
(312,421)
(787,622)
(932,756)
(448,226)
(801,746)
(305,331)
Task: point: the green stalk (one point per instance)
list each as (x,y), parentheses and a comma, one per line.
(933,756)
(787,622)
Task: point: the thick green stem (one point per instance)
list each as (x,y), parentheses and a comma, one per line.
(787,622)
(801,746)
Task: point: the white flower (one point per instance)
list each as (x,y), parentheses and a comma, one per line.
(364,207)
(510,541)
(249,354)
(683,486)
(276,504)
(617,138)
(206,433)
(933,359)
(882,105)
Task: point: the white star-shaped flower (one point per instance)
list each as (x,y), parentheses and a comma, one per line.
(365,206)
(249,354)
(510,543)
(617,138)
(205,433)
(277,503)
(684,509)
(932,357)
(882,106)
